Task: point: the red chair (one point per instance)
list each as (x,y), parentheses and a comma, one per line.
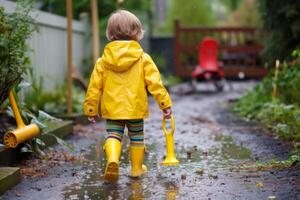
(209,68)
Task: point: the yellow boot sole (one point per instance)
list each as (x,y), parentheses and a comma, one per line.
(111,172)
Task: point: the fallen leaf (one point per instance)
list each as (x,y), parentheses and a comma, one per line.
(213,176)
(18,194)
(260,184)
(251,176)
(200,172)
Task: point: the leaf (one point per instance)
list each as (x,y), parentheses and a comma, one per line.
(22,85)
(15,28)
(43,116)
(259,184)
(9,112)
(25,149)
(62,142)
(40,142)
(32,116)
(38,152)
(38,123)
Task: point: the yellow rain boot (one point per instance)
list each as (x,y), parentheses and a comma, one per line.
(113,152)
(137,159)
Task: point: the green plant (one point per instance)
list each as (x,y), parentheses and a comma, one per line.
(15,29)
(170,80)
(250,104)
(53,102)
(231,4)
(59,104)
(105,7)
(43,120)
(281,22)
(36,97)
(281,118)
(192,12)
(36,145)
(241,16)
(161,63)
(282,114)
(278,164)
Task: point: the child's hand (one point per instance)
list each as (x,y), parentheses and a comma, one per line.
(92,119)
(167,113)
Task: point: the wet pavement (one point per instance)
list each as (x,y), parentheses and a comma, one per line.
(210,143)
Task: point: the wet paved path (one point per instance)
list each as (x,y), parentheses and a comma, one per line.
(209,143)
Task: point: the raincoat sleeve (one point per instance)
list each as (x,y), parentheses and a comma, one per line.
(94,91)
(155,85)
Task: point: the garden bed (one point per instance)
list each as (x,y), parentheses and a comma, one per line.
(59,128)
(77,118)
(9,177)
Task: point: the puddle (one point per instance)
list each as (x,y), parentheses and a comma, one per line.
(230,150)
(206,147)
(160,182)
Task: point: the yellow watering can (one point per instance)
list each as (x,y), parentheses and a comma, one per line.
(13,138)
(170,159)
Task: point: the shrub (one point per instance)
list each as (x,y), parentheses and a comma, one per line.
(281,22)
(15,29)
(282,114)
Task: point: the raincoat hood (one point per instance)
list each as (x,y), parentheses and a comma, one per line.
(120,55)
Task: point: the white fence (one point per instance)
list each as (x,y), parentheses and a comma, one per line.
(49,45)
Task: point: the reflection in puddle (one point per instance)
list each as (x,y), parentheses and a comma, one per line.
(172,190)
(230,150)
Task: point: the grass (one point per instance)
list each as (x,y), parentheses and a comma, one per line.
(291,161)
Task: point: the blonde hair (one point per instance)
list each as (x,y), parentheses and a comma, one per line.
(122,24)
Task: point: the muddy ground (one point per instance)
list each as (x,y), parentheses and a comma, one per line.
(210,144)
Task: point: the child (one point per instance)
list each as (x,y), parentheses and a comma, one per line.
(121,77)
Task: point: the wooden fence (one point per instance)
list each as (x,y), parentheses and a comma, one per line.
(239,49)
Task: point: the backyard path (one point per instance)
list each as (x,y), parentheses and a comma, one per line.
(210,144)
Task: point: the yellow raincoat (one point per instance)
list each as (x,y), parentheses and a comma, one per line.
(121,78)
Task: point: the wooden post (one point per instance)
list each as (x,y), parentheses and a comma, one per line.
(95,30)
(119,3)
(176,47)
(274,92)
(69,49)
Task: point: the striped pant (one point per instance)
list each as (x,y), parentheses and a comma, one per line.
(115,129)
